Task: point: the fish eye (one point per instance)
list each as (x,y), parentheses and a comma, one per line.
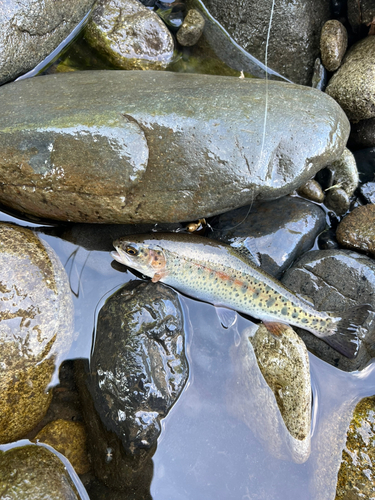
(131,250)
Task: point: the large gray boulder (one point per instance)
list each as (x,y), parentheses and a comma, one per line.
(144,146)
(32,29)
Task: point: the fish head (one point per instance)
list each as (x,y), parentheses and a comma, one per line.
(140,254)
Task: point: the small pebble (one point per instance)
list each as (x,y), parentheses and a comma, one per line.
(337,200)
(357,230)
(333,44)
(191,29)
(312,190)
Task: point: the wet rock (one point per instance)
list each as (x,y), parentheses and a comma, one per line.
(361,12)
(191,29)
(362,134)
(333,44)
(129,35)
(109,162)
(320,76)
(368,192)
(356,477)
(292,222)
(357,229)
(172,14)
(31,30)
(68,438)
(353,85)
(365,159)
(36,328)
(34,472)
(336,280)
(248,24)
(337,200)
(272,392)
(327,240)
(137,372)
(344,172)
(312,190)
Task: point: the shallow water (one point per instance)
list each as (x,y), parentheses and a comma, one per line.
(205,451)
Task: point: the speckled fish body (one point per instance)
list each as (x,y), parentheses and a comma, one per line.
(215,273)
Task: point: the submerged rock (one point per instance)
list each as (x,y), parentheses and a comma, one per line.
(105,155)
(356,477)
(36,328)
(69,439)
(137,372)
(31,30)
(33,472)
(129,36)
(295,223)
(272,392)
(337,280)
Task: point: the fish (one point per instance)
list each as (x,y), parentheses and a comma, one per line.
(214,272)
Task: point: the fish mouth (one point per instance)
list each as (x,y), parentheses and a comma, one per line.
(116,256)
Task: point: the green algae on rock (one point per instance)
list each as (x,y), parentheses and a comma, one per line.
(124,147)
(356,477)
(36,328)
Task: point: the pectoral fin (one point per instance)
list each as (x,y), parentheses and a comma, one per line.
(276,329)
(158,276)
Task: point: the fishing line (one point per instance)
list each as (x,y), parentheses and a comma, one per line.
(265,107)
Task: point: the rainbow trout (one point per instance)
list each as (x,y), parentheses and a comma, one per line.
(213,272)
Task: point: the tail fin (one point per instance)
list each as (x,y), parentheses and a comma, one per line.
(344,338)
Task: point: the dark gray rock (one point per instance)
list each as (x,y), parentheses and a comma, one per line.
(336,280)
(353,85)
(129,36)
(333,43)
(138,361)
(362,134)
(33,472)
(312,190)
(294,37)
(30,30)
(292,222)
(337,200)
(132,150)
(365,159)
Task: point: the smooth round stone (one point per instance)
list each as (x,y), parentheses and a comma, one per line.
(32,29)
(36,328)
(353,85)
(312,190)
(356,477)
(33,473)
(129,35)
(69,439)
(357,230)
(337,200)
(191,29)
(131,150)
(333,43)
(336,280)
(292,222)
